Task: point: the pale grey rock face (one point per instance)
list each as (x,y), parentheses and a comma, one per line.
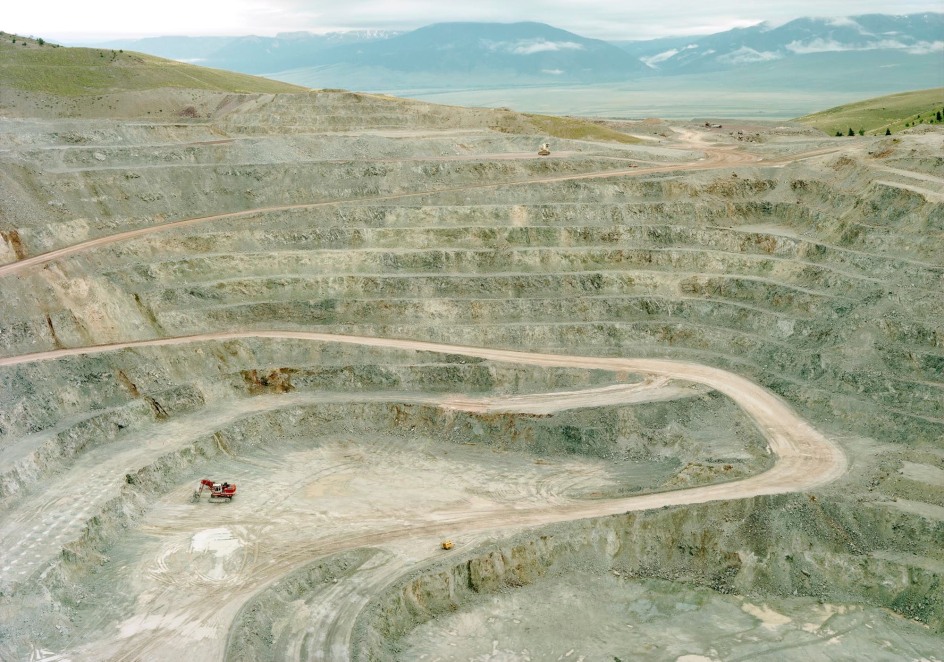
(165,282)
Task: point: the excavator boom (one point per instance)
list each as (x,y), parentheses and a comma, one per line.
(217,490)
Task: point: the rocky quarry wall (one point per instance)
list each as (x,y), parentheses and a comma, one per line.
(820,279)
(762,547)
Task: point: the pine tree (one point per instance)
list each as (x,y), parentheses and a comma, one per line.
(888,132)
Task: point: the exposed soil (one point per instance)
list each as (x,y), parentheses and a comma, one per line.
(622,619)
(688,385)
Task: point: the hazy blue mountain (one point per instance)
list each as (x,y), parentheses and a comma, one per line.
(463,53)
(868,55)
(530,50)
(184,49)
(248,54)
(917,34)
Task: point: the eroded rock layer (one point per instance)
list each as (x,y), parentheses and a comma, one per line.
(812,266)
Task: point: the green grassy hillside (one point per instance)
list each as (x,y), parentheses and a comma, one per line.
(893,112)
(571,128)
(33,66)
(567,128)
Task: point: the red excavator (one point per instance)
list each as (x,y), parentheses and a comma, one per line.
(218,491)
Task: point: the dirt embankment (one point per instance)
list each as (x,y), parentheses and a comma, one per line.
(340,220)
(757,547)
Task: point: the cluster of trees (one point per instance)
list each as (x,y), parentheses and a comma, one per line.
(24,41)
(938,118)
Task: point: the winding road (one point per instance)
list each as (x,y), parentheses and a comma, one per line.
(805,459)
(169,621)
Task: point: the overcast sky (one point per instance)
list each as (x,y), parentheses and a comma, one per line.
(79,20)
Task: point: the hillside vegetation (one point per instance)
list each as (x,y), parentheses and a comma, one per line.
(505,120)
(84,74)
(571,128)
(894,112)
(34,66)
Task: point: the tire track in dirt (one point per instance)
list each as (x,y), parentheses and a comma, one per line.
(38,524)
(790,437)
(805,458)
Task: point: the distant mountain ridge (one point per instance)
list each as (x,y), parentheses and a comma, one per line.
(482,51)
(249,54)
(894,52)
(517,49)
(916,34)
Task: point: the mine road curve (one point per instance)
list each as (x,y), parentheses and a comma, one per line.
(805,459)
(716,157)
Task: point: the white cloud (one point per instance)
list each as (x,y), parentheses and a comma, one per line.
(553,72)
(820,45)
(653,60)
(745,55)
(530,47)
(893,44)
(602,19)
(843,22)
(113,18)
(926,48)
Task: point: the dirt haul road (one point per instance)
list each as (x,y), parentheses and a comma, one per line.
(185,608)
(715,158)
(190,584)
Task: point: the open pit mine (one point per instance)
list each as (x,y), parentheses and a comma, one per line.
(672,392)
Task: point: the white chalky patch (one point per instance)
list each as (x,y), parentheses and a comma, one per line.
(218,541)
(768,617)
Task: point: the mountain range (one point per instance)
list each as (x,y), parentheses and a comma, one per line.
(893,52)
(248,54)
(917,34)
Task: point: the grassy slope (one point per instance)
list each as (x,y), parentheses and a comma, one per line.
(81,72)
(568,128)
(27,65)
(876,115)
(578,129)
